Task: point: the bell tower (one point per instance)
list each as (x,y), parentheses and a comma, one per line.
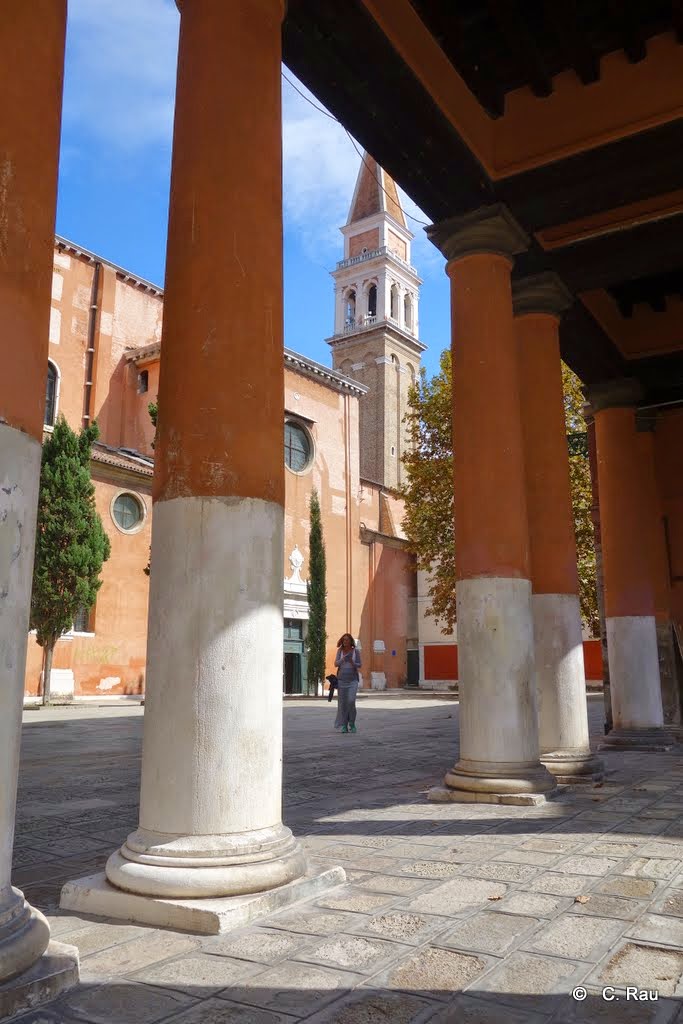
(376,327)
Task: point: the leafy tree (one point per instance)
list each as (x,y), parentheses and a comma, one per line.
(153,410)
(71,545)
(317,598)
(582,498)
(428,492)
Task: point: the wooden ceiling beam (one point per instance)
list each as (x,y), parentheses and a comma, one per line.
(513,27)
(677,17)
(577,50)
(633,40)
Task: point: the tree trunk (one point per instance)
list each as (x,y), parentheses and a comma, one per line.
(48,651)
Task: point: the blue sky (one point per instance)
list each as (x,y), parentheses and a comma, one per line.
(115,170)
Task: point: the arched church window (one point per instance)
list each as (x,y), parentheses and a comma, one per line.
(394,302)
(372,300)
(408,312)
(350,309)
(51,395)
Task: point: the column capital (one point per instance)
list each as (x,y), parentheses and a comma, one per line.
(490,229)
(540,293)
(619,393)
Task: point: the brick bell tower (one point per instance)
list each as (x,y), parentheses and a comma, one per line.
(376,322)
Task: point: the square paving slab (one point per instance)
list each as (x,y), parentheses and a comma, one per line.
(450,914)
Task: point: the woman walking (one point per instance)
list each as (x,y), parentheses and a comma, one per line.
(347,663)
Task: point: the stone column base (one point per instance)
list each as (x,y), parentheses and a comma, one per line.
(95,895)
(654,739)
(571,767)
(495,783)
(24,934)
(201,867)
(54,973)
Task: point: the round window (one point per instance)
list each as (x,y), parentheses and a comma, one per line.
(128,512)
(298,447)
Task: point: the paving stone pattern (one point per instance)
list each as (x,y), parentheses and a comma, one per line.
(451,913)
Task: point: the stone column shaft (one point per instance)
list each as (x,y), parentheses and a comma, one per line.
(499,751)
(625,513)
(31,71)
(210,809)
(560,676)
(660,572)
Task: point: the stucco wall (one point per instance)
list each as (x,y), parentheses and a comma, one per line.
(112,661)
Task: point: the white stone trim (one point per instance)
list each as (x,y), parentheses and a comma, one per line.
(293,609)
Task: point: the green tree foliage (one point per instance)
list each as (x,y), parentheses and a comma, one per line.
(582,498)
(428,493)
(317,598)
(71,545)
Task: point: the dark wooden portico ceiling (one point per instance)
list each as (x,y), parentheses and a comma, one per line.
(568,111)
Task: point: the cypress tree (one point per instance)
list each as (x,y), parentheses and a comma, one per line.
(317,598)
(71,545)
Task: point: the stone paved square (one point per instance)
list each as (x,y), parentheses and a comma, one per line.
(492,913)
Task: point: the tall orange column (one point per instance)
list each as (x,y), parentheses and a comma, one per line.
(499,749)
(646,424)
(31,69)
(626,514)
(558,643)
(211,792)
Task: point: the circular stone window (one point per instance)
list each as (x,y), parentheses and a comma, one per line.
(298,447)
(128,512)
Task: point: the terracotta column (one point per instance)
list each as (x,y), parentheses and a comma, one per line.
(31,69)
(646,425)
(210,808)
(626,514)
(599,575)
(560,678)
(499,749)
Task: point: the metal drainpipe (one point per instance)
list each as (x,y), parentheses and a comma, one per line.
(90,351)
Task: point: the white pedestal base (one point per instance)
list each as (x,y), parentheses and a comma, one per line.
(446,795)
(95,895)
(54,973)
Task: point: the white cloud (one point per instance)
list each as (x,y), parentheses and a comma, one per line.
(119,96)
(321,164)
(120,71)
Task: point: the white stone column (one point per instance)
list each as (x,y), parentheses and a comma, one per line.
(627,510)
(562,708)
(499,748)
(211,792)
(32,44)
(24,932)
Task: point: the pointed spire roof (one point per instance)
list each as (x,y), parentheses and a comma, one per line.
(375,192)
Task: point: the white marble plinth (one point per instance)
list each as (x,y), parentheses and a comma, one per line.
(53,973)
(95,895)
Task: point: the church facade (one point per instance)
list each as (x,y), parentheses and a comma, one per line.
(343,437)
